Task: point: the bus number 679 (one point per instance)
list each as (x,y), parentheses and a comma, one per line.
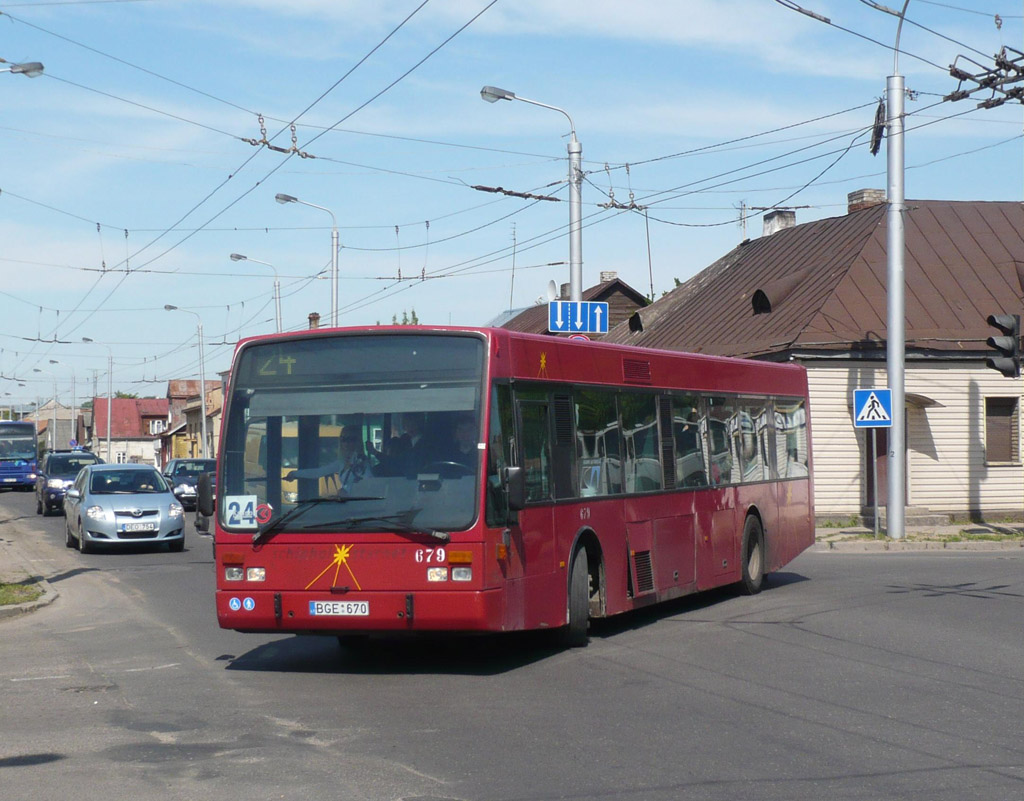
(430,555)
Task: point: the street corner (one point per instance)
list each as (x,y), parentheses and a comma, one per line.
(17,580)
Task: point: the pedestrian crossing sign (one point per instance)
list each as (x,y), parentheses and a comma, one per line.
(872,408)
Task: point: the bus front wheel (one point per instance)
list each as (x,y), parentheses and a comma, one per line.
(753,556)
(575,634)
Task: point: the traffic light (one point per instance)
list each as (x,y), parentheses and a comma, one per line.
(1008,345)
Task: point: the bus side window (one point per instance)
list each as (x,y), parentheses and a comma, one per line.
(686,428)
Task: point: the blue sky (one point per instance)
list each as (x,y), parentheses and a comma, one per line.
(125,180)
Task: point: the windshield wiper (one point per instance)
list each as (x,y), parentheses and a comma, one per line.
(273,526)
(392,523)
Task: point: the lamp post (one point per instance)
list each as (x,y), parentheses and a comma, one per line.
(895,248)
(283,198)
(110,387)
(202,375)
(30,69)
(74,404)
(53,435)
(492,94)
(277,284)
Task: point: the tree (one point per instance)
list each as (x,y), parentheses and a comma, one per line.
(408,318)
(122,394)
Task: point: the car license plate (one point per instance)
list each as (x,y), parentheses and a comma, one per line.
(340,608)
(9,480)
(138,527)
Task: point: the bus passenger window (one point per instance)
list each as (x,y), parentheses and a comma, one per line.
(721,422)
(597,443)
(686,429)
(642,466)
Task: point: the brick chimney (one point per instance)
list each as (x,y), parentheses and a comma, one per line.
(314,320)
(864,199)
(777,220)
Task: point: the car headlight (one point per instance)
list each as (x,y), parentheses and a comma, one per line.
(55,483)
(99,513)
(174,510)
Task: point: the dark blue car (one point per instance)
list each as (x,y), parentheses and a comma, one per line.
(56,474)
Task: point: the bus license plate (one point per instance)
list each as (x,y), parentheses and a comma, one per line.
(138,527)
(341,608)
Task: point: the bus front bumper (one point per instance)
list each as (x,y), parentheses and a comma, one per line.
(363,612)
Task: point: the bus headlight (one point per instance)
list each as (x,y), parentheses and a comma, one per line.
(437,574)
(256,574)
(234,573)
(462,574)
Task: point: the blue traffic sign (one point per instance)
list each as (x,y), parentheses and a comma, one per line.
(872,408)
(583,317)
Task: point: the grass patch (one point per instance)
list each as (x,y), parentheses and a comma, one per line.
(19,593)
(969,536)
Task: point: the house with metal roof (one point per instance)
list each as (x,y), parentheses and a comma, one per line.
(815,293)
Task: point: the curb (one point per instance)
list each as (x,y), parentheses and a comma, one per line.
(928,545)
(9,555)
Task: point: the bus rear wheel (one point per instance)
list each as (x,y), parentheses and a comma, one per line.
(575,634)
(753,556)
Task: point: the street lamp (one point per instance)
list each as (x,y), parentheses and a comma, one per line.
(74,404)
(492,94)
(283,198)
(30,69)
(53,435)
(202,375)
(110,387)
(277,284)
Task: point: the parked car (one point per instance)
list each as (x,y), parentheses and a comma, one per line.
(182,475)
(56,473)
(121,504)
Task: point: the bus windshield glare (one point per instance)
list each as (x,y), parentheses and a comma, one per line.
(354,433)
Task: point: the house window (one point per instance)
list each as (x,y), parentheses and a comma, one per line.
(1002,430)
(120,457)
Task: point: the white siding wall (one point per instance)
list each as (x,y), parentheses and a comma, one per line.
(947,471)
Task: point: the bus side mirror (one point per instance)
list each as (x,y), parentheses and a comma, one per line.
(204,495)
(514,480)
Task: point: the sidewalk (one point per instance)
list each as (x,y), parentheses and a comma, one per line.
(15,568)
(957,536)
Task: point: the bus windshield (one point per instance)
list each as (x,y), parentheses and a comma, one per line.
(17,441)
(388,425)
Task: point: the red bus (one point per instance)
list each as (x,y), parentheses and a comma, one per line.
(413,479)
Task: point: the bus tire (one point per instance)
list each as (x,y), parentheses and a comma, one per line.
(575,634)
(752,556)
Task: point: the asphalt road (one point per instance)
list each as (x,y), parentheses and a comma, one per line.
(852,676)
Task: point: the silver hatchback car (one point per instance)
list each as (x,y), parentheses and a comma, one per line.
(122,504)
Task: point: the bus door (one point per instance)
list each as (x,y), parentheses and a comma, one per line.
(718,545)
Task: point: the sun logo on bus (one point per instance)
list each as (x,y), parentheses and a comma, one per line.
(543,372)
(341,554)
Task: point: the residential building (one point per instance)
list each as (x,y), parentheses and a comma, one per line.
(815,294)
(135,429)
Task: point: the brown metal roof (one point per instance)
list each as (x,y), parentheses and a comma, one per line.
(826,284)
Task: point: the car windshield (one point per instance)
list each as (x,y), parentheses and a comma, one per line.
(65,465)
(194,467)
(390,421)
(119,482)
